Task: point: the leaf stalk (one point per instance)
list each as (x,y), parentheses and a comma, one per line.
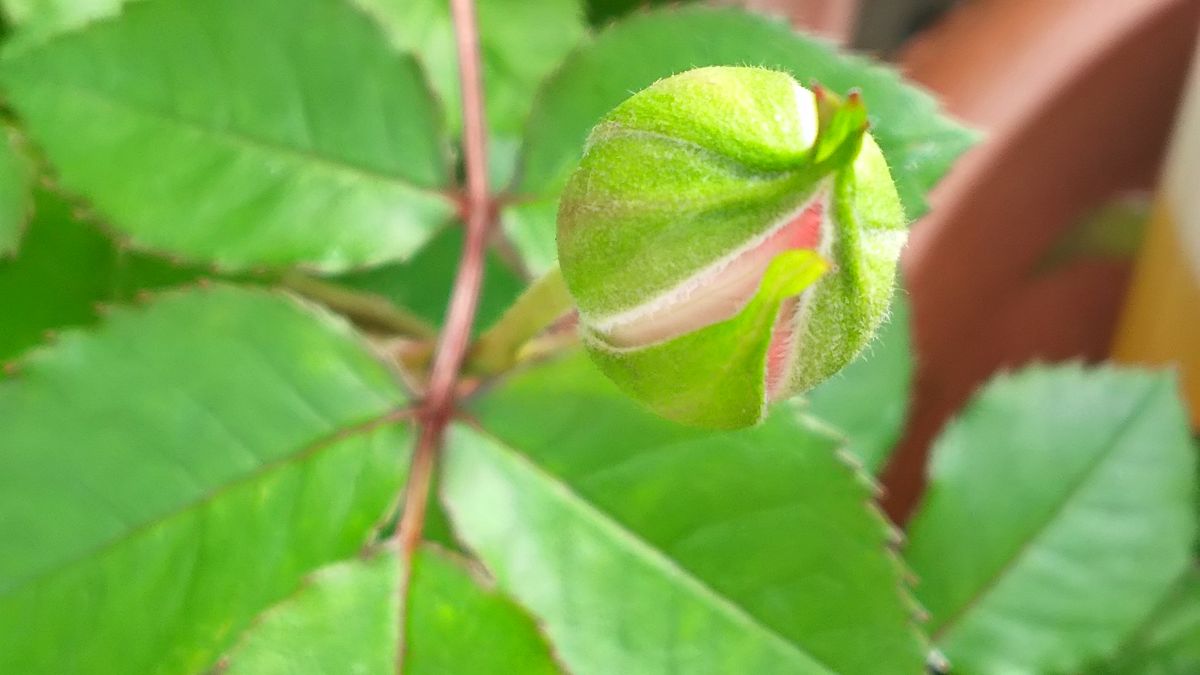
(540,306)
(368,310)
(478,214)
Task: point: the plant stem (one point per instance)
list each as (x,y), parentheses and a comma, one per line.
(478,215)
(370,310)
(539,306)
(550,344)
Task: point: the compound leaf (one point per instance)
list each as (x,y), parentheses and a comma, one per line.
(644,546)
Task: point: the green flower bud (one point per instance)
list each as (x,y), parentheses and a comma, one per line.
(730,238)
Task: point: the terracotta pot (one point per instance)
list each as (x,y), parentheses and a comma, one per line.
(1076,98)
(832,19)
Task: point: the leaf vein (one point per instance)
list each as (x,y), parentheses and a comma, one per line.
(939,631)
(365,426)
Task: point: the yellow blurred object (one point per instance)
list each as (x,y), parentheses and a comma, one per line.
(1161,321)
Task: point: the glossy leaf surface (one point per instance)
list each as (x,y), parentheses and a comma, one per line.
(343,620)
(35,21)
(458,623)
(273,132)
(166,477)
(1168,642)
(346,620)
(644,546)
(1061,507)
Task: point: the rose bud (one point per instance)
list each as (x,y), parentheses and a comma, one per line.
(730,238)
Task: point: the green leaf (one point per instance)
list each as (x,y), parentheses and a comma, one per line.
(273,132)
(648,547)
(1060,509)
(868,400)
(458,624)
(521,42)
(423,284)
(65,270)
(346,621)
(919,144)
(343,620)
(530,225)
(1168,643)
(166,477)
(16,192)
(38,20)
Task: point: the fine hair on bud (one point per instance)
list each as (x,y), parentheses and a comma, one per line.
(730,238)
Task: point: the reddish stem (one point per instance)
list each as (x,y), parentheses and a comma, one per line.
(452,346)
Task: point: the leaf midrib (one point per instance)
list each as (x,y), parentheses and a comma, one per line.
(645,550)
(235,137)
(305,453)
(939,633)
(1136,642)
